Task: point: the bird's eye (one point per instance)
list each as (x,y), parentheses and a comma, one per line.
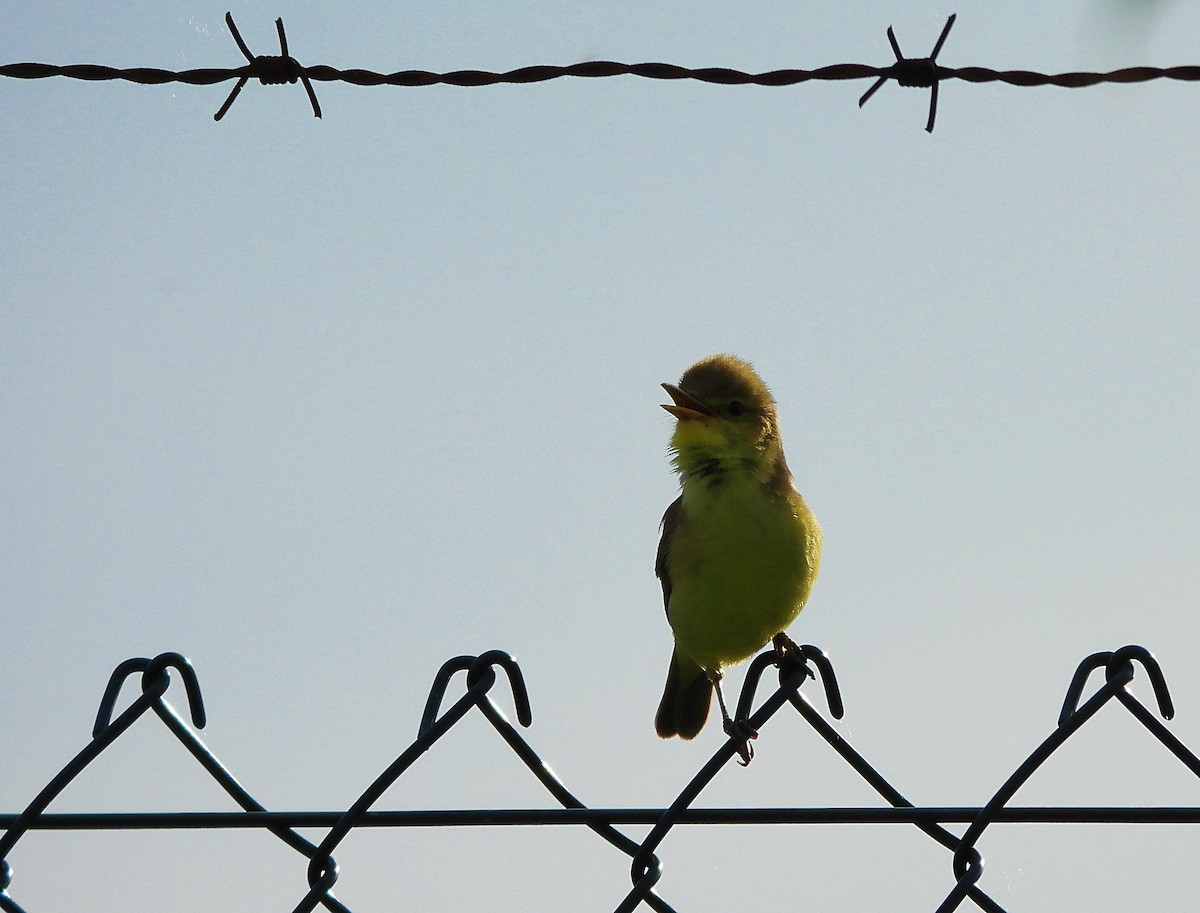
(736,408)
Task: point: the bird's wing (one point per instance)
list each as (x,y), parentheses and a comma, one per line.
(669,521)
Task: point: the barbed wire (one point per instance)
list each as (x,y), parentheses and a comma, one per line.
(913,72)
(482,674)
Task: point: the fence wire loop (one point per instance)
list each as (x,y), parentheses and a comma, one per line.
(268,70)
(155,680)
(1162,695)
(481,675)
(833,694)
(793,672)
(322,874)
(1117,665)
(967,865)
(914,72)
(486,663)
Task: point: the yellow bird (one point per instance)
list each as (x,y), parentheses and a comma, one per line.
(739,550)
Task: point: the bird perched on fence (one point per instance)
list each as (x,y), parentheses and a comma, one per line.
(739,550)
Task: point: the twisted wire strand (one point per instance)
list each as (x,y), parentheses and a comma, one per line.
(597,69)
(918,72)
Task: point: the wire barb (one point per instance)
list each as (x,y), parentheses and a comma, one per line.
(270,71)
(914,72)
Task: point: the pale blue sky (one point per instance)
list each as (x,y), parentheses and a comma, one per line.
(321,404)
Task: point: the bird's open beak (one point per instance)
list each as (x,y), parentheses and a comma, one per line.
(687,407)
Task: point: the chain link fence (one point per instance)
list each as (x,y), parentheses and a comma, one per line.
(486,671)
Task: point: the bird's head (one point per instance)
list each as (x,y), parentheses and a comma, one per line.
(725,413)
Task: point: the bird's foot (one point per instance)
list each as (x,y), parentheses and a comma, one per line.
(787,650)
(742,734)
(784,645)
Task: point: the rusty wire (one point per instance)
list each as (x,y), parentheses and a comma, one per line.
(919,72)
(484,671)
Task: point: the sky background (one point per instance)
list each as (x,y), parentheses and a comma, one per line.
(322,404)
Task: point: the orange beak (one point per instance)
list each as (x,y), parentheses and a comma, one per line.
(687,407)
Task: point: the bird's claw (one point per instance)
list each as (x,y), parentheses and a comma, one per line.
(785,645)
(787,650)
(742,733)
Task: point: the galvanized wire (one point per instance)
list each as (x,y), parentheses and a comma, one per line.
(482,672)
(919,72)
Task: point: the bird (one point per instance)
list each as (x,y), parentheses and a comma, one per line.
(740,548)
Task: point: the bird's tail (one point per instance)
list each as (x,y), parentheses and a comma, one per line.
(685,700)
